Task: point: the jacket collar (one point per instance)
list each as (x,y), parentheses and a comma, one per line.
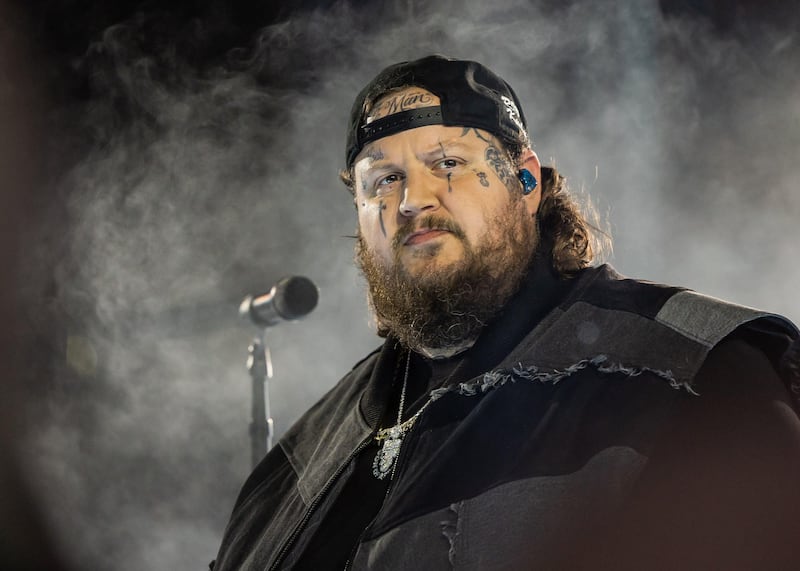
(541,291)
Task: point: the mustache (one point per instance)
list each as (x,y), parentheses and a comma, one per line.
(431,222)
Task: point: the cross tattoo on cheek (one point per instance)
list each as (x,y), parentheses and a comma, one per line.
(449,176)
(483,179)
(382,207)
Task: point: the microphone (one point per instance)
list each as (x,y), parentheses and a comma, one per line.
(291,298)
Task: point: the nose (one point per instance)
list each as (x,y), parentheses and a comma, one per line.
(420,194)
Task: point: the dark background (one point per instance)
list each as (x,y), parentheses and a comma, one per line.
(162,160)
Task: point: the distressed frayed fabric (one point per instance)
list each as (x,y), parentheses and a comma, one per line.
(523,524)
(450,529)
(498,378)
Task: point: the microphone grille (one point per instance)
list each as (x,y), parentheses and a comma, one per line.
(295,297)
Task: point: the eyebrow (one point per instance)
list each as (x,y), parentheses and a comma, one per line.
(442,147)
(380,163)
(374,152)
(377,162)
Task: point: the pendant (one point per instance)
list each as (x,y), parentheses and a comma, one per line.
(387,455)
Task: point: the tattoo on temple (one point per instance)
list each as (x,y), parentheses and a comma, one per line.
(483,179)
(375,153)
(501,166)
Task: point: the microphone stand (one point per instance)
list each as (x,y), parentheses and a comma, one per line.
(259,363)
(289,299)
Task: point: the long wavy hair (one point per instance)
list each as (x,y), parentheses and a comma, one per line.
(564,228)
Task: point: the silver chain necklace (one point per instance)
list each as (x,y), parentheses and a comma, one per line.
(391,438)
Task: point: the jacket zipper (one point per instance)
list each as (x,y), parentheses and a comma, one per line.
(284,550)
(395,472)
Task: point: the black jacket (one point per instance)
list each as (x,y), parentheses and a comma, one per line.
(523,463)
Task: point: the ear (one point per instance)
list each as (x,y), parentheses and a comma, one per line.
(529,160)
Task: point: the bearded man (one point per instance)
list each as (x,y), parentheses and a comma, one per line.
(526,410)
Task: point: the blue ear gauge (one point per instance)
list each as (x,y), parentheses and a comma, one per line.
(528,181)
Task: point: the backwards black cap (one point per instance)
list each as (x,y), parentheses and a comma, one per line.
(470,95)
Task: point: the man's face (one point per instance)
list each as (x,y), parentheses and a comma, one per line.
(445,234)
(429,196)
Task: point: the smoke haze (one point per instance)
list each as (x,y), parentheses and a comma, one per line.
(191,177)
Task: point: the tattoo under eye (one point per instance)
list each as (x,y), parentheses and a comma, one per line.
(483,179)
(501,166)
(382,207)
(449,176)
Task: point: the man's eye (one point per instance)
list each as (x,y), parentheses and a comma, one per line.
(388,180)
(447,164)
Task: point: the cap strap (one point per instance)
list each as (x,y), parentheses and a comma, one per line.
(397,122)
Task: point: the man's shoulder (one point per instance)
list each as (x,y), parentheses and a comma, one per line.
(703,318)
(348,388)
(367,362)
(604,287)
(626,324)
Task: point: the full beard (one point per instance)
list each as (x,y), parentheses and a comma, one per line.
(441,312)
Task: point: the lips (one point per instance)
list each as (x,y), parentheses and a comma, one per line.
(424,235)
(426,230)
